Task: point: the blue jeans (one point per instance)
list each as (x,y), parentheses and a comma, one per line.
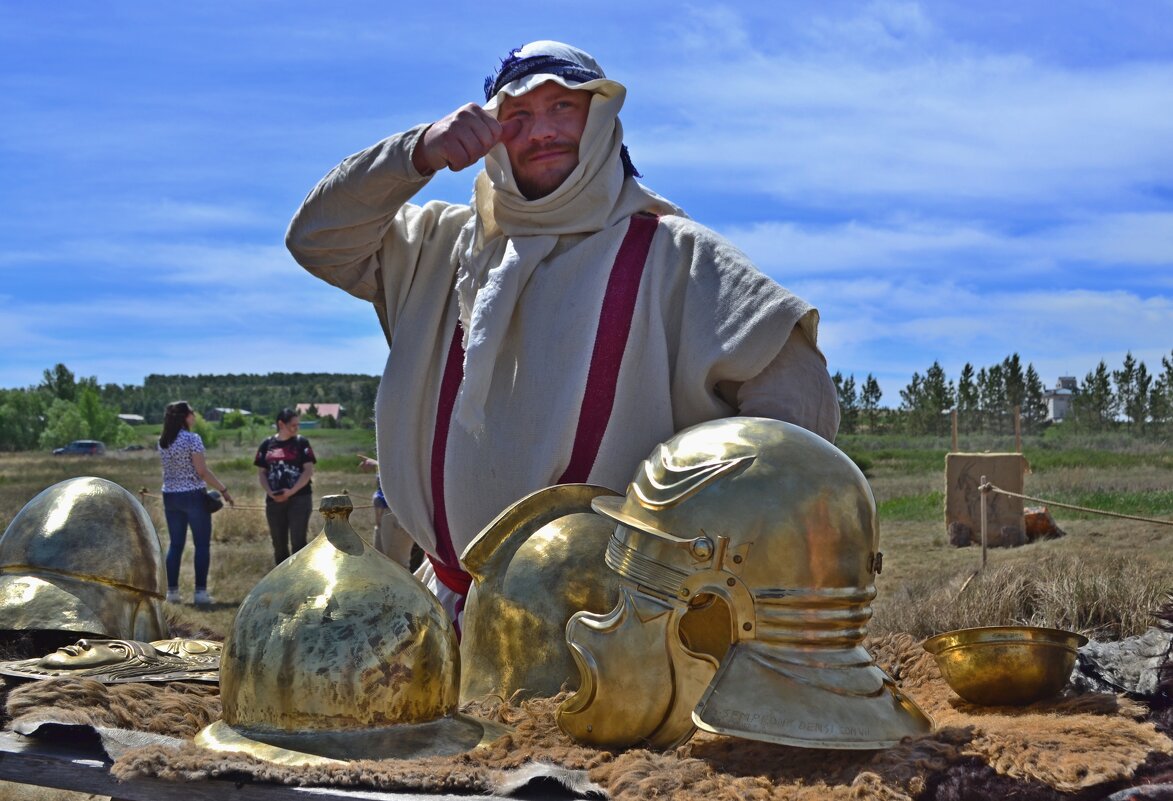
(183,509)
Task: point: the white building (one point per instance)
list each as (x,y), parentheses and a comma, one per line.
(1059,398)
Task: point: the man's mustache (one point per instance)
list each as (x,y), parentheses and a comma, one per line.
(539,149)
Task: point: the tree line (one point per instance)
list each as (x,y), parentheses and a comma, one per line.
(64,407)
(1130,398)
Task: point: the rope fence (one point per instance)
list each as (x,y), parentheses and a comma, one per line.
(987,488)
(145,493)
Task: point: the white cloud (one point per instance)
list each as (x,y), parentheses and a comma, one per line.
(820,126)
(967,251)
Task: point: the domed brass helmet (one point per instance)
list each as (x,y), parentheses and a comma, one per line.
(535,565)
(748,551)
(82,557)
(338,654)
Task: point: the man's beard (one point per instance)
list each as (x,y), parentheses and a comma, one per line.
(545,182)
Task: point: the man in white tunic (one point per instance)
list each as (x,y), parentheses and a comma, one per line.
(558,327)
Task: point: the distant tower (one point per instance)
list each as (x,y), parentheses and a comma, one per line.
(1059,399)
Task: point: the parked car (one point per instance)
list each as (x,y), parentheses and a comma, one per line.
(82,447)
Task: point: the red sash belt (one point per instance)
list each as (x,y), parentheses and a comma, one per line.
(598,399)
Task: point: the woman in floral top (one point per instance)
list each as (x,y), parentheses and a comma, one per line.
(185,478)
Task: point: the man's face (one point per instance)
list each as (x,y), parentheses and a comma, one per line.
(549,122)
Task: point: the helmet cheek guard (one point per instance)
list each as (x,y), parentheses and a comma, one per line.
(638,680)
(534,566)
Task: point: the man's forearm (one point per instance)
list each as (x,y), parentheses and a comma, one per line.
(341,224)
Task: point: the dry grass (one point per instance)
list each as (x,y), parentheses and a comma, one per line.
(1103,579)
(1085,582)
(241,550)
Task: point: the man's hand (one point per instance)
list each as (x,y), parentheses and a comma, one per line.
(460,139)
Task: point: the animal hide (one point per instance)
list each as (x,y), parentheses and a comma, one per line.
(1083,745)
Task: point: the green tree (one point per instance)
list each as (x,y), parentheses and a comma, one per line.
(205,430)
(64,424)
(994,401)
(102,420)
(1034,402)
(1015,380)
(1093,403)
(925,401)
(1161,394)
(87,418)
(869,402)
(60,383)
(848,403)
(968,400)
(233,419)
(22,419)
(1132,382)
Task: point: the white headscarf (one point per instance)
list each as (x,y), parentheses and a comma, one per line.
(508,235)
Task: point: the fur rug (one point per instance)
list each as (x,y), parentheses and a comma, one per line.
(1077,747)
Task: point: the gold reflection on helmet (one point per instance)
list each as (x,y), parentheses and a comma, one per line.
(762,538)
(536,564)
(82,556)
(339,653)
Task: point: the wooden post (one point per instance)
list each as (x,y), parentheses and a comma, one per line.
(954,415)
(985,492)
(1018,429)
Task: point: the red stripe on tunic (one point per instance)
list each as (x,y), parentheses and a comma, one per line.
(610,342)
(447,567)
(598,401)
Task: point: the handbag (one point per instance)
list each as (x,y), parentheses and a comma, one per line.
(213,501)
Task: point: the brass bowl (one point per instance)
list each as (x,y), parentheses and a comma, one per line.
(1005,665)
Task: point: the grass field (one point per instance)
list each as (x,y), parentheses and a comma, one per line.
(1113,571)
(1103,579)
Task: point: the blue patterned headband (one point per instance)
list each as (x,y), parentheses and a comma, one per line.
(513,68)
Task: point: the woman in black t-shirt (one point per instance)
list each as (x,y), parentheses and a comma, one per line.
(285,467)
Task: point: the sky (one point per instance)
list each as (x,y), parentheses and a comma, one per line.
(946,181)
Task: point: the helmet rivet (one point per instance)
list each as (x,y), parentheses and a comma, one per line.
(702,548)
(683,592)
(747,626)
(737,559)
(731,582)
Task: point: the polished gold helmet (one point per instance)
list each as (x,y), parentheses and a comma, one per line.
(748,552)
(337,654)
(82,557)
(535,565)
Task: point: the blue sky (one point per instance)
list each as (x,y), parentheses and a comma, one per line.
(947,181)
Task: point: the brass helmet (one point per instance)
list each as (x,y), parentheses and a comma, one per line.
(535,565)
(338,654)
(751,544)
(82,557)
